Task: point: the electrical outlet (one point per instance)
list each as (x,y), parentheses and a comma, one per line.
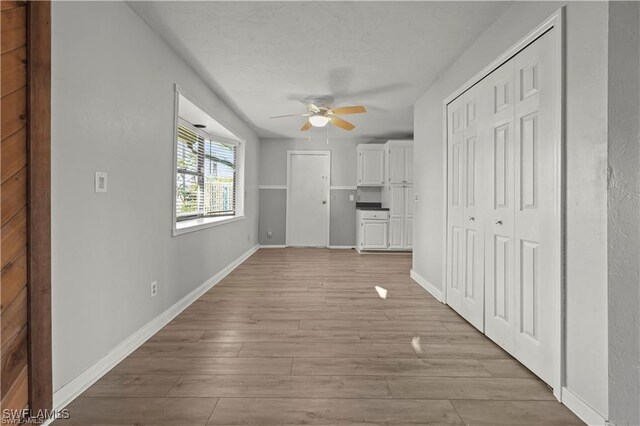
(154,288)
(269,233)
(350,197)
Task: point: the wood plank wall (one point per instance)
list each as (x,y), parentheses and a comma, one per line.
(14,370)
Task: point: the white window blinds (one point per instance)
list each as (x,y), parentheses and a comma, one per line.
(205,175)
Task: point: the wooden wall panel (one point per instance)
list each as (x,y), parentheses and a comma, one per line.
(14,279)
(14,195)
(14,28)
(14,112)
(14,70)
(14,237)
(14,212)
(14,153)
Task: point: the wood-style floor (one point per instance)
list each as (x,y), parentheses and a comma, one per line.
(301,336)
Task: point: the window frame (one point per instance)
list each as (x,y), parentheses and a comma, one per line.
(197,223)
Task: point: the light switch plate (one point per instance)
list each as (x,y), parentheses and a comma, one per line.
(101,182)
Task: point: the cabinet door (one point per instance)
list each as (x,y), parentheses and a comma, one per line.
(408,217)
(408,164)
(408,230)
(371,168)
(374,234)
(396,215)
(396,164)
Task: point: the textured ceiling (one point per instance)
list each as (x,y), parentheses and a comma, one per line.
(262,58)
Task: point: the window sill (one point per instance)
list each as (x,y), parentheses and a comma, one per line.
(203,223)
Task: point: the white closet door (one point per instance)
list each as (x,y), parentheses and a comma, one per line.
(499,239)
(474,100)
(455,199)
(536,256)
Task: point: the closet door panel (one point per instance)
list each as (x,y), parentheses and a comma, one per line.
(455,207)
(473,219)
(499,223)
(536,257)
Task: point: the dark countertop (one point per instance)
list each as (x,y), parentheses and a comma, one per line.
(370,206)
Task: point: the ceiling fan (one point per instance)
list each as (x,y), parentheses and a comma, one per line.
(320,115)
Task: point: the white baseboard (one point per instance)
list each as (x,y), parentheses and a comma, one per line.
(342,247)
(67,393)
(581,408)
(435,292)
(273,246)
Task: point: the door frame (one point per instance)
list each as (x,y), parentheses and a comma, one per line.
(290,154)
(39,199)
(555,21)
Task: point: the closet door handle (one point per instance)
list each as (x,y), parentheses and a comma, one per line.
(498,222)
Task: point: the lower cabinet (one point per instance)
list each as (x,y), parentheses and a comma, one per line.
(372,230)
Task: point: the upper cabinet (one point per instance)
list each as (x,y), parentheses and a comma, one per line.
(400,161)
(371,164)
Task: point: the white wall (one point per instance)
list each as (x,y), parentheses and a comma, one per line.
(273,158)
(623,217)
(586,169)
(273,171)
(112,111)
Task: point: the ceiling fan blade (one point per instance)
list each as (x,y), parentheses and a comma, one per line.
(290,115)
(336,121)
(350,110)
(306,126)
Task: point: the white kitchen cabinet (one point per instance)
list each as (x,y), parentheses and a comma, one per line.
(400,164)
(371,165)
(373,230)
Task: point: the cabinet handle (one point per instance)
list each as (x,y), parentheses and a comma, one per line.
(498,222)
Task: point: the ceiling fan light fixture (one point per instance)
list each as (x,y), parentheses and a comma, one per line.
(319,120)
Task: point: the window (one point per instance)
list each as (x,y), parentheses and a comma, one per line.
(207,171)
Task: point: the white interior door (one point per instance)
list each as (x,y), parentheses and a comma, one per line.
(474,101)
(503,206)
(536,254)
(455,207)
(308,199)
(500,242)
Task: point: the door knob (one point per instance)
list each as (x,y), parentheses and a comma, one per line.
(472,218)
(324,202)
(498,222)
